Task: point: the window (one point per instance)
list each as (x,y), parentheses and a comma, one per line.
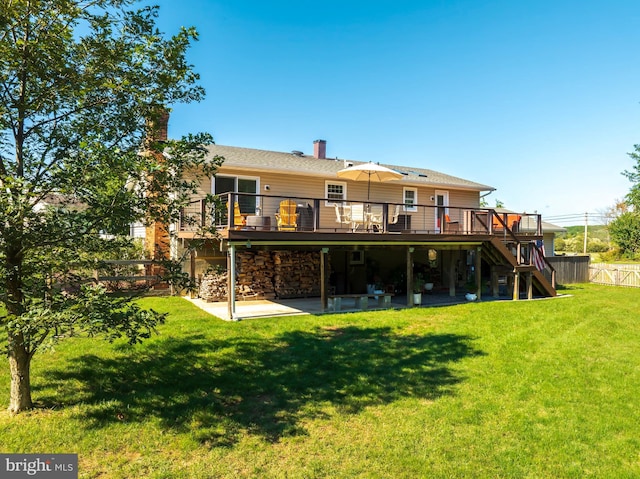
(410,199)
(356,257)
(335,192)
(237,184)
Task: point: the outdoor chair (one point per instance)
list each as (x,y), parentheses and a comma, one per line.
(394,217)
(375,217)
(239,220)
(512,221)
(343,214)
(357,215)
(450,226)
(286,217)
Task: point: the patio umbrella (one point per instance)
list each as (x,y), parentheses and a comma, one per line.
(370,172)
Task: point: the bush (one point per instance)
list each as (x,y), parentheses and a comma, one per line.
(625,233)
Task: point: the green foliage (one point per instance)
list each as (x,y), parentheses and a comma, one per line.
(625,225)
(633,175)
(485,204)
(625,233)
(83,86)
(610,256)
(418,283)
(575,244)
(593,231)
(573,240)
(87,309)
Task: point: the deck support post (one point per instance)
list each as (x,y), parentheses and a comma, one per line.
(530,285)
(478,271)
(231,282)
(323,278)
(516,285)
(495,284)
(410,276)
(192,271)
(452,275)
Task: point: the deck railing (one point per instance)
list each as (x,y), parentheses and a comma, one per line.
(301,214)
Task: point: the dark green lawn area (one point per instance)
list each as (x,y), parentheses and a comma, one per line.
(531,389)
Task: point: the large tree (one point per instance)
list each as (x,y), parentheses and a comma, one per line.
(83,84)
(633,175)
(625,227)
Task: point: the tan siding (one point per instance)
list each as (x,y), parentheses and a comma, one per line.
(314,187)
(305,188)
(204,187)
(466,199)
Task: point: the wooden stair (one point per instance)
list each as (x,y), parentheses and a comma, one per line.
(498,254)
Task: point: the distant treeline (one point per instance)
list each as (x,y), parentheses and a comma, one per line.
(573,240)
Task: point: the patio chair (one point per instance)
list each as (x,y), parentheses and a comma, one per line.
(394,217)
(357,215)
(239,220)
(512,221)
(450,226)
(375,217)
(343,214)
(286,216)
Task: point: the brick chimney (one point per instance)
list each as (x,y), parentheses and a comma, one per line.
(158,124)
(157,242)
(320,149)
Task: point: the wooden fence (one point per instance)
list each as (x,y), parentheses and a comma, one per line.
(570,269)
(129,275)
(615,274)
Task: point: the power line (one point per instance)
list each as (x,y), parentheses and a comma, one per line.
(570,215)
(573,215)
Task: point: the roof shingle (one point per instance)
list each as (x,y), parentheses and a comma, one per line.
(273,161)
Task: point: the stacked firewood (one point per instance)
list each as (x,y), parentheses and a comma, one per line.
(255,275)
(267,275)
(297,274)
(213,287)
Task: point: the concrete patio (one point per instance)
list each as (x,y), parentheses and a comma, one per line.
(293,307)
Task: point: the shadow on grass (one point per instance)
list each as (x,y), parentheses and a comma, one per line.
(217,390)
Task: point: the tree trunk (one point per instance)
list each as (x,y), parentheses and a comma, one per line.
(19,354)
(20,366)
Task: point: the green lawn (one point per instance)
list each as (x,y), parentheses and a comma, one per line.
(531,389)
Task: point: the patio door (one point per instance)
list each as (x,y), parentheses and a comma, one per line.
(442,208)
(237,184)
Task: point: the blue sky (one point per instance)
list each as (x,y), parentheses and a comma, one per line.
(539,99)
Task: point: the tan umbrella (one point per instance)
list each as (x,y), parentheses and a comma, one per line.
(370,172)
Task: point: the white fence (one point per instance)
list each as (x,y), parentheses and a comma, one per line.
(615,274)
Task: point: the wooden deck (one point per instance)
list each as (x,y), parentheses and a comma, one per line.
(466,237)
(316,215)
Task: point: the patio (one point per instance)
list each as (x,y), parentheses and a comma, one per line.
(293,307)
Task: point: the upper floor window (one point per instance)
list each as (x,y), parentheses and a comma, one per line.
(410,199)
(335,192)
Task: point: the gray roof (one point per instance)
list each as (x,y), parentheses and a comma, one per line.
(274,161)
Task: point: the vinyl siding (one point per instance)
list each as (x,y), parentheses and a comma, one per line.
(305,188)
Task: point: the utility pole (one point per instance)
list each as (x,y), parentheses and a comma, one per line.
(586,223)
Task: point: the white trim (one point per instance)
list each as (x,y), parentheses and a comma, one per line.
(235,185)
(236,178)
(445,204)
(414,207)
(332,203)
